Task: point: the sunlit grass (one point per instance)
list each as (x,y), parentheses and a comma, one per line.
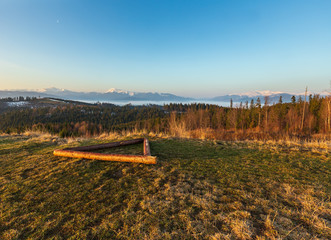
(198,190)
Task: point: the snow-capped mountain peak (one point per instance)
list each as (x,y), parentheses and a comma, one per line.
(51,90)
(259,93)
(115,90)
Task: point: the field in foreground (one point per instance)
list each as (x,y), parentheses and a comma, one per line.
(198,190)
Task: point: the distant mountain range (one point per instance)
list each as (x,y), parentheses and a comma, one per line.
(110,95)
(121,95)
(273,96)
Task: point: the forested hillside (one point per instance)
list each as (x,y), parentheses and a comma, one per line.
(249,120)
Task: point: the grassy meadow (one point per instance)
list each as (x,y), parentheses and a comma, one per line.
(198,190)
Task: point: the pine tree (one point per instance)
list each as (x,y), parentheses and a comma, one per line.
(280,100)
(258,105)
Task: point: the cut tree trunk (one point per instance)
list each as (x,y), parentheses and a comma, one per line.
(106,157)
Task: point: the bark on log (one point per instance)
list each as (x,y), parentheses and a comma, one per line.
(106,145)
(106,157)
(147,150)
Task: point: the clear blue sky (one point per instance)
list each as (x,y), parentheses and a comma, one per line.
(186,47)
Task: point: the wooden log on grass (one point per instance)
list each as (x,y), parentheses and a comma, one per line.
(107,145)
(84,152)
(106,157)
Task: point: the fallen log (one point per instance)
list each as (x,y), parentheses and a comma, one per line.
(84,152)
(106,157)
(107,145)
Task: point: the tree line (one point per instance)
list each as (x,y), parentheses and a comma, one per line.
(261,120)
(249,120)
(18,99)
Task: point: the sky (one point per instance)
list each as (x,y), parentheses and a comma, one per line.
(185,47)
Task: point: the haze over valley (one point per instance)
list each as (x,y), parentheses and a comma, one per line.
(119,96)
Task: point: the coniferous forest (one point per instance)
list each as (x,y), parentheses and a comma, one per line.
(301,118)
